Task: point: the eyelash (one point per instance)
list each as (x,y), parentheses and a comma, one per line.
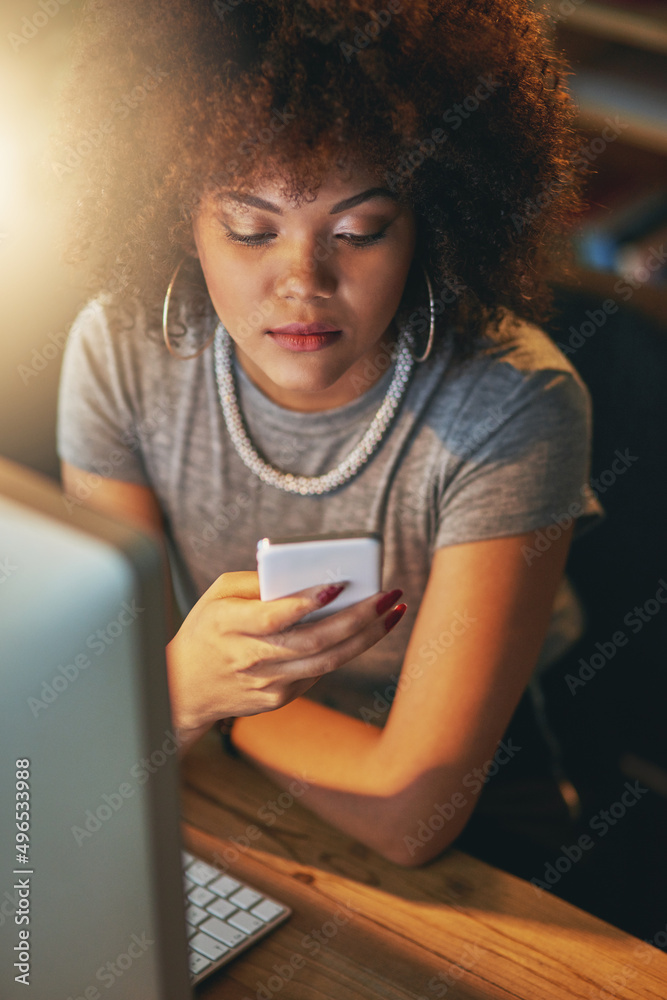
(259,239)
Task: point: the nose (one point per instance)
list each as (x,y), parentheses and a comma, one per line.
(306,272)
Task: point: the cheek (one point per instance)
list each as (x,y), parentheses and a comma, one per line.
(231,285)
(385,280)
(392,265)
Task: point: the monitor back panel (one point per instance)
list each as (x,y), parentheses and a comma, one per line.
(90,888)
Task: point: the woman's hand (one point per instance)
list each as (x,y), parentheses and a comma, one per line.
(237,655)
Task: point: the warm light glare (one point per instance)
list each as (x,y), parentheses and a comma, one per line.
(10,178)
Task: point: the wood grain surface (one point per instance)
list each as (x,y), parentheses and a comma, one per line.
(363,927)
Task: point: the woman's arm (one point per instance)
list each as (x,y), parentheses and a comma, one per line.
(132,502)
(138,505)
(447,717)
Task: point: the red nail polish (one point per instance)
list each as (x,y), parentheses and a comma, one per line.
(329,593)
(395,616)
(386,602)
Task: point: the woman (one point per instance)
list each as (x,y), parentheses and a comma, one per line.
(395,184)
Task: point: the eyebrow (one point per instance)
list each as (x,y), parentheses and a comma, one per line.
(340,206)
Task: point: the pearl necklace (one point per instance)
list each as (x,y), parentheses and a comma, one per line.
(306,485)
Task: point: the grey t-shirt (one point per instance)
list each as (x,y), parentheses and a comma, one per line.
(495,447)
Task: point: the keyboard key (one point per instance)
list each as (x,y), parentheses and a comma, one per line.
(245,922)
(224,886)
(195,914)
(223,932)
(201,873)
(245,898)
(220,908)
(197,962)
(201,896)
(217,929)
(208,946)
(267,910)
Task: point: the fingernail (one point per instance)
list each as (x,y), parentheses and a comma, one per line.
(386,602)
(395,616)
(329,593)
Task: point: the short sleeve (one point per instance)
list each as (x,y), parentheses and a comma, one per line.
(522,463)
(96,422)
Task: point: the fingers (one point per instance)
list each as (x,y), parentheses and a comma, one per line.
(334,654)
(341,636)
(303,650)
(272,617)
(244,584)
(315,636)
(238,588)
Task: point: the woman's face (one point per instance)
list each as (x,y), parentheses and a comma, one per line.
(341,260)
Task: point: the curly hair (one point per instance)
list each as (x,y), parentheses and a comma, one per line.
(459,106)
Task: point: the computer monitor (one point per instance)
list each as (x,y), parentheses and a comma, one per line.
(91,900)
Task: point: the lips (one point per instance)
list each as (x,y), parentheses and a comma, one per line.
(305,329)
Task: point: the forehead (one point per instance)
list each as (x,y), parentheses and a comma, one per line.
(265,203)
(335,191)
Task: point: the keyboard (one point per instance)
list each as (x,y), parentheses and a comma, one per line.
(223,915)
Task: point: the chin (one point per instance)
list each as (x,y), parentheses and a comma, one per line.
(307,383)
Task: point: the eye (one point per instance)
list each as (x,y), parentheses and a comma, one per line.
(254,240)
(261,239)
(362,241)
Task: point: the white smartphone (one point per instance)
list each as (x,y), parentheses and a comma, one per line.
(286,565)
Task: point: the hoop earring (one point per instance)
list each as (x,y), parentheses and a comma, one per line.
(165,314)
(431,332)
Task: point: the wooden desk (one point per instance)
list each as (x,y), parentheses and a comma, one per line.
(363,927)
